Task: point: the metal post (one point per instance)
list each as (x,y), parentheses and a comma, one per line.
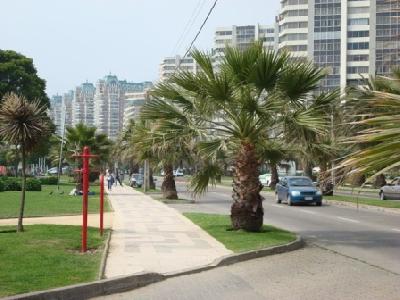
(61,153)
(85,190)
(101,203)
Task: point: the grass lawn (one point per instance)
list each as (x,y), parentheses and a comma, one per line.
(46,256)
(239,241)
(43,204)
(367,201)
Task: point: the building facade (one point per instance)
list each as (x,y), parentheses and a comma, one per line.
(56,112)
(170,64)
(134,102)
(67,100)
(83,104)
(352,39)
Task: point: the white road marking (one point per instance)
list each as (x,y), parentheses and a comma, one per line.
(308,211)
(348,220)
(396,229)
(277,205)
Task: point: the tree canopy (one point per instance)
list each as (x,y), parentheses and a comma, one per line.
(19,75)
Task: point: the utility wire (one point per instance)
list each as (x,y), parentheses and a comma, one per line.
(189,24)
(200,29)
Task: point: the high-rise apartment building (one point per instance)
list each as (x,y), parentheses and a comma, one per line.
(83,104)
(134,102)
(171,64)
(67,100)
(56,112)
(352,39)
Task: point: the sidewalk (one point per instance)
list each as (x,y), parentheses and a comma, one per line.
(93,220)
(150,236)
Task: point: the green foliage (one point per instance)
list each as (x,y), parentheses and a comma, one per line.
(33,184)
(47,256)
(11,183)
(19,75)
(219,226)
(2,187)
(50,180)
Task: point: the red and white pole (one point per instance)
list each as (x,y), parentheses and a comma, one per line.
(101,203)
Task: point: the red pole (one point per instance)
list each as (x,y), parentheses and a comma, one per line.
(101,203)
(85,173)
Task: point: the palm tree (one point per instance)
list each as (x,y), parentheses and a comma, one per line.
(23,123)
(376,127)
(234,109)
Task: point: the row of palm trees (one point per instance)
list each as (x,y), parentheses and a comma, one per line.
(258,107)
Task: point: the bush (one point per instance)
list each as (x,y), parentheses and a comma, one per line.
(50,180)
(1,186)
(12,184)
(33,184)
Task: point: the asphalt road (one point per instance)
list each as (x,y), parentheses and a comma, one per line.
(366,235)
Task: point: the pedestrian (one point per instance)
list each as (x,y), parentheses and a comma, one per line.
(109,181)
(117,179)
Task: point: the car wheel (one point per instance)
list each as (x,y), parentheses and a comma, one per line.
(382,196)
(277,198)
(318,203)
(289,200)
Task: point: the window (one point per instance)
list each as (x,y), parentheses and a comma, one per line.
(358,10)
(224,32)
(351,34)
(361,21)
(357,70)
(358,57)
(357,46)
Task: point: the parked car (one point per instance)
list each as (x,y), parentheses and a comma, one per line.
(136,180)
(52,171)
(297,189)
(265,179)
(178,172)
(390,190)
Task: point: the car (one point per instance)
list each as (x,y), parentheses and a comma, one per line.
(391,190)
(53,171)
(265,179)
(296,190)
(136,180)
(178,172)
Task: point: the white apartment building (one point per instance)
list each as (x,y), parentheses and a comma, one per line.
(67,100)
(56,112)
(83,104)
(351,38)
(171,64)
(134,101)
(108,105)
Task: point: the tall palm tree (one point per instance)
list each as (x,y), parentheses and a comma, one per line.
(23,123)
(234,109)
(376,127)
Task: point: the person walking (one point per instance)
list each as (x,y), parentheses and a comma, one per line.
(110,181)
(118,179)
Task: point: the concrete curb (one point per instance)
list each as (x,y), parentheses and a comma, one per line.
(131,282)
(395,211)
(104,256)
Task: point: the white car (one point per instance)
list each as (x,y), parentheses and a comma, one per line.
(265,179)
(53,171)
(178,172)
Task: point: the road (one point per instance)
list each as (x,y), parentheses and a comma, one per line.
(370,236)
(351,254)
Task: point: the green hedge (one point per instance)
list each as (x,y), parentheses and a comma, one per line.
(1,186)
(14,184)
(50,180)
(33,184)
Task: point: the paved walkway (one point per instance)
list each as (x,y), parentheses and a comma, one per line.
(150,236)
(93,220)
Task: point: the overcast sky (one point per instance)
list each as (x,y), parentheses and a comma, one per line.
(71,41)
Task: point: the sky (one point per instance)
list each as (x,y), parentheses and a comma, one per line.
(72,41)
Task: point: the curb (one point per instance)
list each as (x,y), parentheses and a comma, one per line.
(104,256)
(395,211)
(131,282)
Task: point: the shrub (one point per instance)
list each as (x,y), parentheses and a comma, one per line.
(33,184)
(93,176)
(1,186)
(12,184)
(50,180)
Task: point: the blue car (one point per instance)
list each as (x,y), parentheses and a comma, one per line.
(296,190)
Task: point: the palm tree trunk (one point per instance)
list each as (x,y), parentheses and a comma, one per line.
(152,183)
(246,211)
(274,176)
(20,226)
(168,187)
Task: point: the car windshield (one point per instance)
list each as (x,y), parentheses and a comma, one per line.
(300,182)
